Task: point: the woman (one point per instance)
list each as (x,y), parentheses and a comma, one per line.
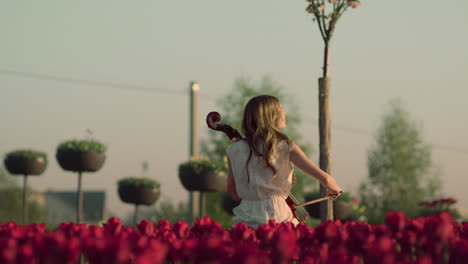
(261,165)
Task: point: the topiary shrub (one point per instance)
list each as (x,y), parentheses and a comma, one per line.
(25,162)
(138,191)
(81,155)
(201,174)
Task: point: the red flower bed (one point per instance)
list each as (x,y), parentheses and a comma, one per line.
(435,239)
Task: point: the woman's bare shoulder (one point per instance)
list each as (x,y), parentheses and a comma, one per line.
(287,145)
(236,145)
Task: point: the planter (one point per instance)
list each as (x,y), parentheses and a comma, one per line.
(138,195)
(206,181)
(25,166)
(79,161)
(228,203)
(342,210)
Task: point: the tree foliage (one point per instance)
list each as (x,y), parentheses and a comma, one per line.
(231,107)
(399,167)
(83,145)
(164,210)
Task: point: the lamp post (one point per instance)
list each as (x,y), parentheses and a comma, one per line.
(195,201)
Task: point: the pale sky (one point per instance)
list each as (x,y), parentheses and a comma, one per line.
(149,51)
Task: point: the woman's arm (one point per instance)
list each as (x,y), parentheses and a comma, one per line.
(232,184)
(302,162)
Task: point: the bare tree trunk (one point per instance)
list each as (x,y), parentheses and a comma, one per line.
(79,201)
(202,204)
(326,208)
(136,215)
(326,59)
(25,200)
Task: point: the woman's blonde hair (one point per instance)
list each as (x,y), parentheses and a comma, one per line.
(261,119)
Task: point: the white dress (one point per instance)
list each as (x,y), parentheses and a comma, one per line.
(264,197)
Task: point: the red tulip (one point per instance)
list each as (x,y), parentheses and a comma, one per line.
(248,252)
(407,241)
(181,229)
(396,221)
(146,227)
(207,249)
(382,250)
(26,254)
(360,236)
(8,248)
(113,226)
(284,248)
(459,251)
(439,226)
(339,254)
(95,231)
(207,227)
(243,232)
(464,230)
(327,232)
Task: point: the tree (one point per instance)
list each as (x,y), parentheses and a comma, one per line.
(25,162)
(399,168)
(11,208)
(326,15)
(231,110)
(6,181)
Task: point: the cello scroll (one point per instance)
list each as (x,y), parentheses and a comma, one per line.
(212,120)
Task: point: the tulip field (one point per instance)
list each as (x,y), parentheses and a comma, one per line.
(433,239)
